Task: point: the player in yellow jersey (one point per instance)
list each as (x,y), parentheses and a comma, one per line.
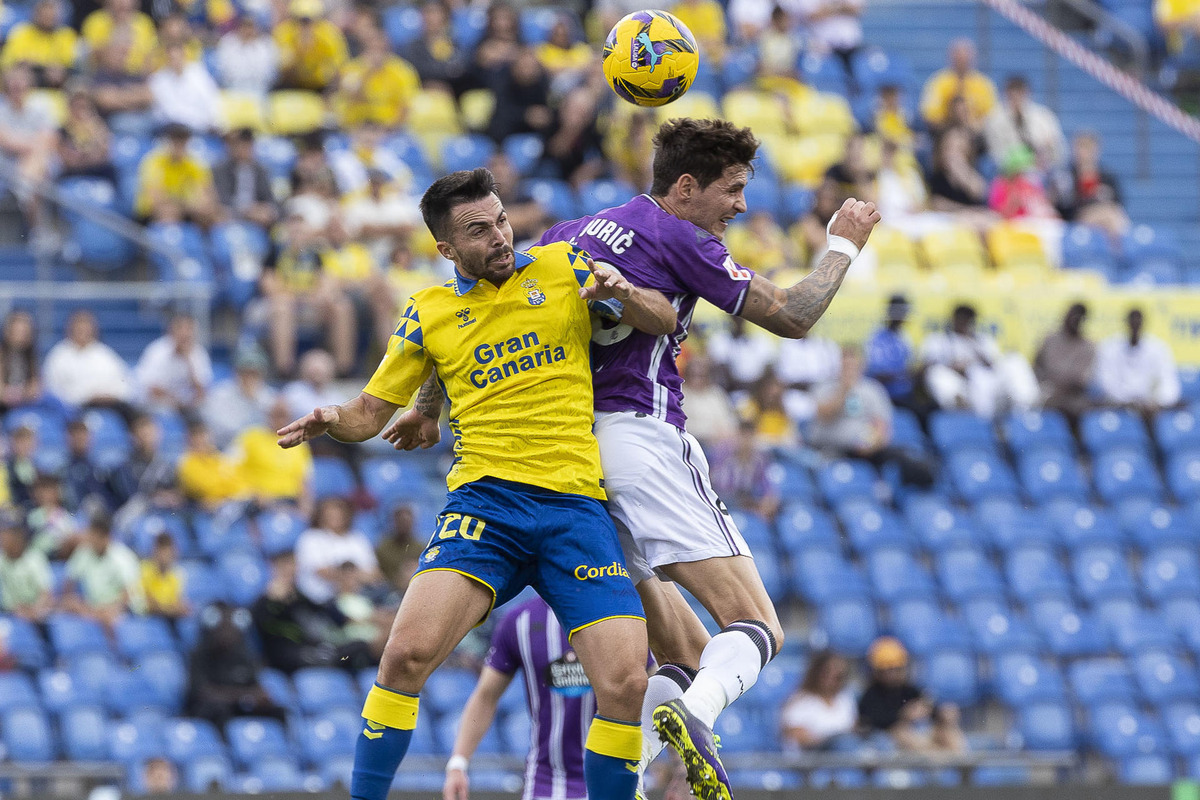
(509,339)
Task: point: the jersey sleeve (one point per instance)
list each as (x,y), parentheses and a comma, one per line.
(503,655)
(701,263)
(406,364)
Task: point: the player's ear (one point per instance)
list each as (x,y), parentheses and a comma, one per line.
(447,251)
(685,186)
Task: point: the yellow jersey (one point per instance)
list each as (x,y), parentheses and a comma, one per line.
(514,362)
(29,43)
(269,471)
(180,180)
(98,29)
(164,589)
(941,89)
(316,63)
(386,92)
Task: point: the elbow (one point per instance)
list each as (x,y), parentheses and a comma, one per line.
(792,328)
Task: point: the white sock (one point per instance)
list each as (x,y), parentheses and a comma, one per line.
(665,685)
(729,666)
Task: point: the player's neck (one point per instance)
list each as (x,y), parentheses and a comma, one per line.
(668,205)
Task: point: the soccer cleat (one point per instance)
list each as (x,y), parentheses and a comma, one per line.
(697,747)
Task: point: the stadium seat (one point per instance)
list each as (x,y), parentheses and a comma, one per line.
(90,242)
(770,780)
(1119,730)
(895,251)
(1148,249)
(1028,431)
(958,250)
(24,642)
(871,527)
(84,733)
(137,636)
(1034,574)
(244,576)
(848,625)
(895,575)
(743,731)
(279,529)
(243,110)
(190,739)
(1085,247)
(1108,429)
(1176,431)
(148,527)
(757,110)
(1021,679)
(294,113)
(204,774)
(936,523)
(332,478)
(556,197)
(254,738)
(320,689)
(182,254)
(523,150)
(952,431)
(845,479)
(1068,633)
(475,108)
(1149,524)
(1141,631)
(201,585)
(1124,474)
(1008,525)
(1051,474)
(239,250)
(403,25)
(966,574)
(1101,680)
(446,689)
(1012,247)
(873,68)
(167,676)
(1164,678)
(1183,475)
(996,630)
(824,576)
(793,481)
(950,676)
(72,635)
(136,739)
(17,691)
(465,152)
(274,773)
(1170,572)
(1046,725)
(1080,526)
(27,736)
(329,735)
(1182,720)
(925,628)
(979,475)
(1146,770)
(1101,573)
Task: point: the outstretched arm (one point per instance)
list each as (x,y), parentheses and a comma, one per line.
(793,311)
(419,426)
(645,309)
(353,421)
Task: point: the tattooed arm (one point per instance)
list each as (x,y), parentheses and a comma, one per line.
(793,311)
(419,426)
(429,398)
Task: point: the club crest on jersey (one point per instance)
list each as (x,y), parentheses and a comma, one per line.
(432,553)
(533,291)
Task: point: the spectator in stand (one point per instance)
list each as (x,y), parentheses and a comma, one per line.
(206,475)
(25,578)
(83,371)
(760,245)
(835,26)
(20,373)
(1018,193)
(224,672)
(174,29)
(1092,195)
(1136,370)
(367,151)
(562,56)
(380,215)
(103,577)
(376,86)
(85,482)
(893,704)
(1179,19)
(522,91)
(147,479)
(712,419)
(1020,121)
(889,353)
(84,140)
(853,175)
(750,19)
(19,466)
(120,21)
(740,355)
(52,526)
(526,216)
(779,47)
(767,406)
(247,58)
(822,711)
(399,548)
(332,559)
(174,185)
(297,633)
(122,97)
(739,473)
(436,56)
(312,49)
(499,46)
(185,94)
(1064,366)
(891,117)
(802,364)
(28,134)
(44,43)
(958,79)
(706,20)
(955,185)
(269,473)
(240,402)
(174,371)
(159,777)
(242,185)
(965,369)
(902,194)
(314,387)
(163,581)
(573,140)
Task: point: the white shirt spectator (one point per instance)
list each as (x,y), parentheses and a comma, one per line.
(958,351)
(1143,373)
(188,96)
(838,26)
(302,397)
(103,579)
(744,357)
(971,372)
(228,410)
(749,17)
(350,171)
(821,719)
(320,549)
(1038,128)
(78,375)
(391,209)
(162,367)
(808,361)
(249,66)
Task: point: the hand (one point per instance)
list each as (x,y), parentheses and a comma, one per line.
(854,221)
(412,429)
(308,427)
(456,785)
(609,284)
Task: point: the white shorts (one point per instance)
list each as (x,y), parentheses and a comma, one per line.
(659,495)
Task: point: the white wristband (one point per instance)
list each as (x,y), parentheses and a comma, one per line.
(457,763)
(840,244)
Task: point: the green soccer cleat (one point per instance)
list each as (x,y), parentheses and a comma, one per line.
(697,746)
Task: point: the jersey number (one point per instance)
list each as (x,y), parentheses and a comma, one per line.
(463,525)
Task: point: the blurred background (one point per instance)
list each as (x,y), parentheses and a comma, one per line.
(978,480)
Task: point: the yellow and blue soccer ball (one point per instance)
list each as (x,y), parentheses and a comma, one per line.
(650,58)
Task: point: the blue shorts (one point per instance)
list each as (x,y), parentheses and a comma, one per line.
(510,535)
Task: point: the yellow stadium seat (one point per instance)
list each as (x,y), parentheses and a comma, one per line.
(894,251)
(290,113)
(1011,247)
(477,106)
(804,160)
(760,112)
(433,112)
(53,101)
(242,110)
(694,104)
(957,250)
(823,113)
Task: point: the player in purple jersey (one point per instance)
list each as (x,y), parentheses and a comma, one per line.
(671,521)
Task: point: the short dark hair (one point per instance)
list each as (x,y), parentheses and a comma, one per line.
(464,186)
(964,311)
(702,148)
(1016,81)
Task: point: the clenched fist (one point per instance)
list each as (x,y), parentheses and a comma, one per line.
(854,221)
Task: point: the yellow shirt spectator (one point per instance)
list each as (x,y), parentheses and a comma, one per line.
(893,126)
(39,47)
(180,179)
(351,263)
(564,59)
(312,58)
(163,590)
(380,94)
(267,470)
(941,89)
(98,29)
(706,20)
(210,477)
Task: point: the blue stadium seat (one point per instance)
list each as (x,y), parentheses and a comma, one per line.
(1021,678)
(72,635)
(329,735)
(277,154)
(189,261)
(754,530)
(1183,475)
(1048,474)
(849,625)
(492,744)
(320,689)
(24,642)
(1029,431)
(1108,429)
(770,780)
(846,479)
(1006,775)
(763,194)
(743,731)
(1181,614)
(979,474)
(447,689)
(797,201)
(824,576)
(238,251)
(189,739)
(1176,431)
(1148,249)
(1068,633)
(278,687)
(1146,770)
(1046,725)
(1085,247)
(871,527)
(936,523)
(966,574)
(393,480)
(951,676)
(17,691)
(1122,474)
(739,68)
(803,526)
(84,733)
(61,692)
(1170,572)
(167,676)
(1034,574)
(274,773)
(244,576)
(133,690)
(409,150)
(1006,524)
(90,242)
(465,152)
(996,630)
(279,529)
(137,636)
(952,431)
(895,575)
(1149,524)
(223,533)
(1119,730)
(332,478)
(206,773)
(1101,680)
(110,436)
(1080,526)
(147,528)
(253,738)
(843,778)
(924,628)
(134,740)
(201,584)
(556,197)
(403,25)
(524,150)
(1164,678)
(793,481)
(1101,573)
(1182,721)
(1141,631)
(892,778)
(27,736)
(873,68)
(823,73)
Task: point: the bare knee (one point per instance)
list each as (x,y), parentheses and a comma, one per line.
(619,692)
(406,664)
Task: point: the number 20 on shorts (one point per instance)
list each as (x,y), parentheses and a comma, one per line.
(462,525)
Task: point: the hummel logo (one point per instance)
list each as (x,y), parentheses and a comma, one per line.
(373,732)
(465,315)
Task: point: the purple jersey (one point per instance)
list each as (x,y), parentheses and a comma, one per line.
(561,703)
(634,371)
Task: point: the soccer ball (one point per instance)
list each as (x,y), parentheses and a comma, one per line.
(650,58)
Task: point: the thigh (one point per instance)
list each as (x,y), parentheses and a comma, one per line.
(730,588)
(676,634)
(613,654)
